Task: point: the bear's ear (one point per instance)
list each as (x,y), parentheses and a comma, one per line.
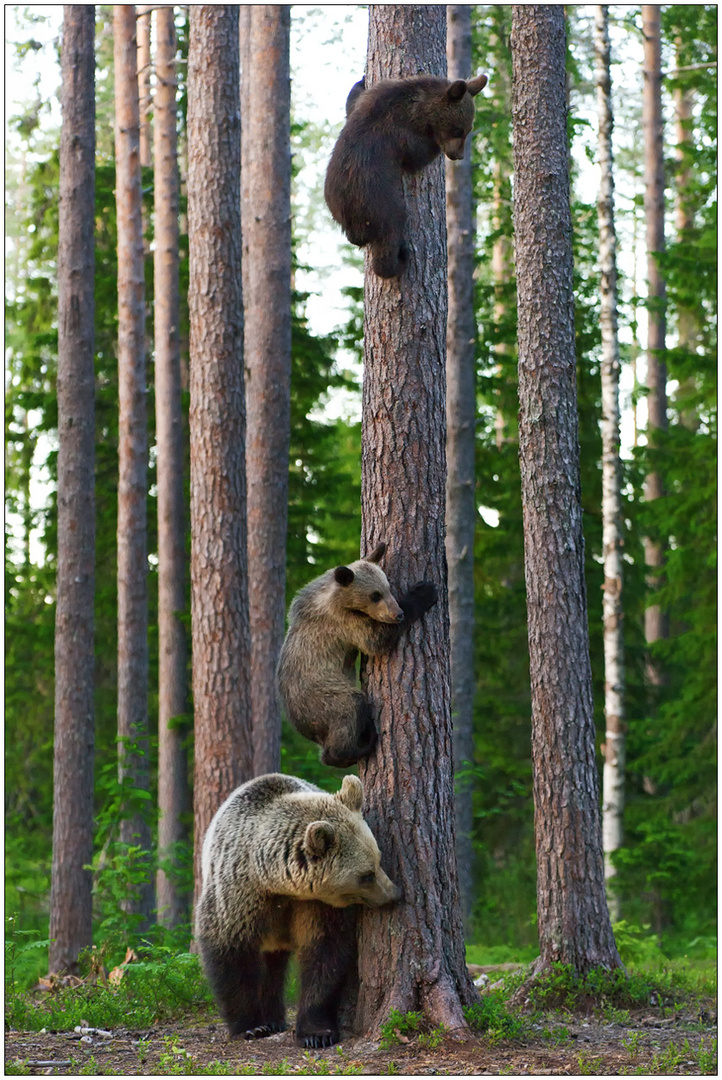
(377,554)
(456,91)
(477,84)
(320,837)
(343,575)
(351,793)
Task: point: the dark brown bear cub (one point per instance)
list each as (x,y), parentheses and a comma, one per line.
(396,126)
(344,612)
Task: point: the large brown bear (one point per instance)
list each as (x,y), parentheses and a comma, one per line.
(343,612)
(394,127)
(283,865)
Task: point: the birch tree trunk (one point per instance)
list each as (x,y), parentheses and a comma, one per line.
(71,882)
(410,956)
(612,537)
(266,213)
(574,926)
(655,620)
(219,583)
(133,446)
(173,793)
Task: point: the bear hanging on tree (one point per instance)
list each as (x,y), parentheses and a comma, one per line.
(396,126)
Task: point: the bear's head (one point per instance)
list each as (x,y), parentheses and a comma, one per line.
(343,862)
(364,587)
(452,117)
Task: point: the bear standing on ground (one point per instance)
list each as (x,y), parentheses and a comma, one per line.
(396,126)
(344,612)
(283,862)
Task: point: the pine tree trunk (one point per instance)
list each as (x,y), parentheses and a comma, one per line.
(411,956)
(574,926)
(687,320)
(612,538)
(173,792)
(460,449)
(219,584)
(71,881)
(655,620)
(266,212)
(133,446)
(143,13)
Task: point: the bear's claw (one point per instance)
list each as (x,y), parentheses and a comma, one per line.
(319,1040)
(262,1031)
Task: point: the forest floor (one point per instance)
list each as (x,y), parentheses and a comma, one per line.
(639,1042)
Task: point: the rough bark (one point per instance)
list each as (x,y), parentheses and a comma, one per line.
(144,98)
(655,620)
(173,793)
(411,956)
(133,445)
(574,926)
(687,318)
(71,883)
(460,447)
(219,587)
(612,535)
(266,214)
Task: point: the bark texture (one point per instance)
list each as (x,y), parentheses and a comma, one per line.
(71,883)
(173,792)
(144,99)
(266,213)
(612,533)
(460,448)
(411,956)
(574,926)
(219,587)
(133,443)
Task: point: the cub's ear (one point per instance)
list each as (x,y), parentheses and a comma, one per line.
(351,793)
(456,91)
(477,84)
(343,575)
(377,554)
(320,837)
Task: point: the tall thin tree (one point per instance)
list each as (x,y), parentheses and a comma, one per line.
(71,883)
(574,925)
(411,956)
(612,535)
(132,447)
(460,451)
(144,68)
(219,583)
(266,223)
(173,793)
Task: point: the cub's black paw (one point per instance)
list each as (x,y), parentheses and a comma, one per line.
(420,597)
(317,1040)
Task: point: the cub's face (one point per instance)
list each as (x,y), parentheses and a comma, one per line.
(453,117)
(363,587)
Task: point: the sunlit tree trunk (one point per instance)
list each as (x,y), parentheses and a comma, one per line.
(132,446)
(411,955)
(266,213)
(574,925)
(144,100)
(687,324)
(219,585)
(613,608)
(71,881)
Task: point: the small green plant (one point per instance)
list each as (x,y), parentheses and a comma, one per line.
(612,1015)
(392,1069)
(633,1044)
(491,1017)
(17,1067)
(588,1065)
(707,1056)
(433,1039)
(399,1024)
(556,1035)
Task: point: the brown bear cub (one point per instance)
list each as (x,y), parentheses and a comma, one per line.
(344,612)
(394,127)
(284,863)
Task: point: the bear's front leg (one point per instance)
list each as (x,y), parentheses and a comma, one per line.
(234,974)
(273,974)
(326,960)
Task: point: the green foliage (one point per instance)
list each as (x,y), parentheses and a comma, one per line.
(400,1024)
(490,1017)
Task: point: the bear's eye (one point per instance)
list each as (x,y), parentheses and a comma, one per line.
(367,879)
(375,597)
(458,134)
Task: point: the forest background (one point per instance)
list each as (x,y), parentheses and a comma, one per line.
(667,867)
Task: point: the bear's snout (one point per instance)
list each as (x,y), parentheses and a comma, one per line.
(400,617)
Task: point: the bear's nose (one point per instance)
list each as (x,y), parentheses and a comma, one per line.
(400,617)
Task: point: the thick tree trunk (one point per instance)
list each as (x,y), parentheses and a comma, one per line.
(71,881)
(656,624)
(173,793)
(412,955)
(460,448)
(612,536)
(574,926)
(219,586)
(266,212)
(133,445)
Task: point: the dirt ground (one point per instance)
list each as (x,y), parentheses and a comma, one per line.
(565,1046)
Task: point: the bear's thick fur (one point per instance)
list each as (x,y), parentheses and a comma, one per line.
(394,127)
(343,612)
(283,863)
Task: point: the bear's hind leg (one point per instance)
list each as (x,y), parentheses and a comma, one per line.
(234,974)
(346,743)
(273,973)
(326,962)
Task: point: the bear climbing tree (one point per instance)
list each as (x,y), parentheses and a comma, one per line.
(411,956)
